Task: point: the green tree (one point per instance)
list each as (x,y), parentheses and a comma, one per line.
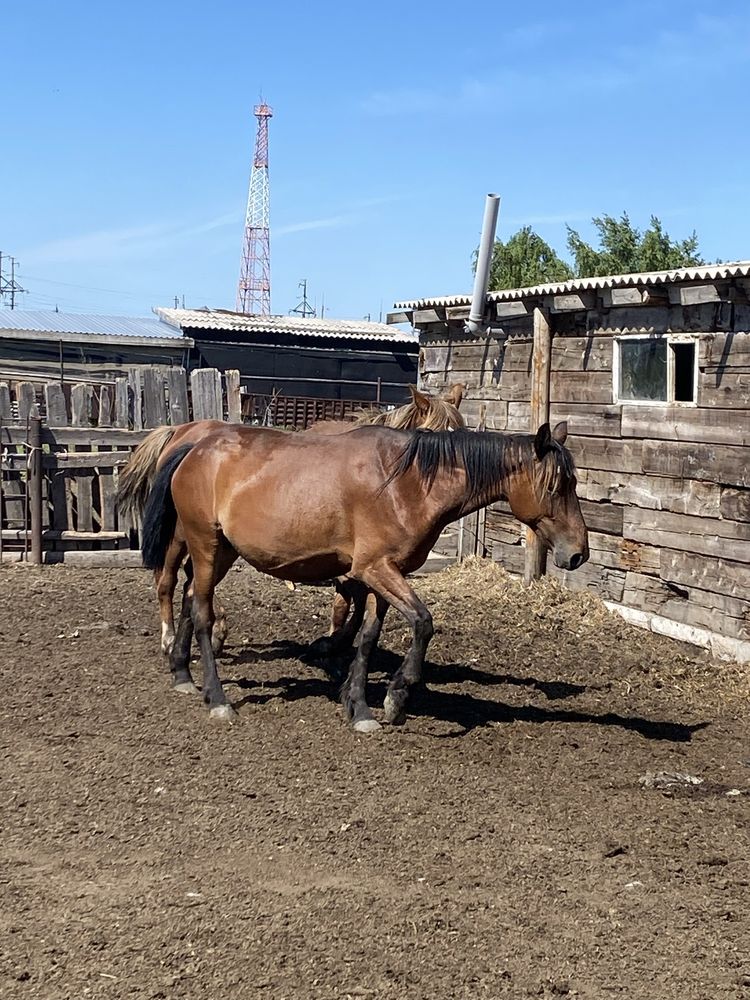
(624,249)
(526,259)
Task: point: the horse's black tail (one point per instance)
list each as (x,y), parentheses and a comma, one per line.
(159,515)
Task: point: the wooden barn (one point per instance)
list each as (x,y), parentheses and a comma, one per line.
(358,361)
(652,373)
(293,370)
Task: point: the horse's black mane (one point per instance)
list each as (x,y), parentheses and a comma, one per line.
(487,457)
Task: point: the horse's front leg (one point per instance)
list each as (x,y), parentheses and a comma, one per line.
(385,578)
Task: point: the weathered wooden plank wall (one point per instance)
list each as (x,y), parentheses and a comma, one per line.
(89,432)
(665,488)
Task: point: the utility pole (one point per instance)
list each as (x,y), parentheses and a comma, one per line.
(303,308)
(8,285)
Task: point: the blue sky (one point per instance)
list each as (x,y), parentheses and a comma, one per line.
(127,136)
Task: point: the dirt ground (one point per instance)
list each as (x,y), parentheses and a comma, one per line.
(500,844)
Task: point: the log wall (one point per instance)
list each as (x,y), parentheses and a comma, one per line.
(665,489)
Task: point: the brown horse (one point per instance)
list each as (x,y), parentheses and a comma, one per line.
(136,478)
(366,506)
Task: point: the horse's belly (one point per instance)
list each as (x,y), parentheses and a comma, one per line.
(310,568)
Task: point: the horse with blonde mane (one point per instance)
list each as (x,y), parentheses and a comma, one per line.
(423,411)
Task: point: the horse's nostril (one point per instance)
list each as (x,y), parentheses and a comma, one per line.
(576,560)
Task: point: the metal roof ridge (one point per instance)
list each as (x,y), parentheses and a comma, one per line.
(41,321)
(303,325)
(697,272)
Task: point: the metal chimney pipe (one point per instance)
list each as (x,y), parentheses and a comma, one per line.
(475,323)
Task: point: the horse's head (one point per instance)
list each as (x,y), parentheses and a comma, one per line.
(544,497)
(427,413)
(455,394)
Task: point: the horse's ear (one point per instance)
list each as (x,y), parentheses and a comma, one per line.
(542,441)
(560,432)
(420,399)
(455,394)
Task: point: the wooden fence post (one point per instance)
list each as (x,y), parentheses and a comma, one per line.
(35,488)
(205,387)
(4,401)
(81,399)
(179,407)
(105,407)
(27,404)
(135,382)
(57,411)
(234,402)
(154,398)
(536,554)
(122,407)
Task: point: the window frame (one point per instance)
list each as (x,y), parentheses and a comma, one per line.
(669,338)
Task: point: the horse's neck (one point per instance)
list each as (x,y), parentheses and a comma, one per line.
(448,495)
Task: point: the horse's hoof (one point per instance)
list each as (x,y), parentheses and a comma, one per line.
(393,712)
(222,713)
(367,726)
(320,648)
(219,635)
(186,687)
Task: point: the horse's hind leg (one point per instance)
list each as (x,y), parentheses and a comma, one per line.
(179,656)
(166,584)
(342,602)
(211,560)
(354,689)
(389,582)
(220,631)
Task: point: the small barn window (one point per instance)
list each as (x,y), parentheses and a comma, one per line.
(655,370)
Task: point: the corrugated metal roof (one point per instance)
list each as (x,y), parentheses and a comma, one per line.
(49,321)
(708,272)
(220,319)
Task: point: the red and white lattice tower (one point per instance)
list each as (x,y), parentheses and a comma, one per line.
(254,288)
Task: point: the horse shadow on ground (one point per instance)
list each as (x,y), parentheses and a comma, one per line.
(457,707)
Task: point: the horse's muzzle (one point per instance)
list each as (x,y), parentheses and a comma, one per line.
(570,561)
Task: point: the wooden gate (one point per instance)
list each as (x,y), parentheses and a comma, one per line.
(62,445)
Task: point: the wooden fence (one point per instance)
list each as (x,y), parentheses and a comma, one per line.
(61,446)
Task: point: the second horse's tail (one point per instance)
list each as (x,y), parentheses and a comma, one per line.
(160,515)
(136,478)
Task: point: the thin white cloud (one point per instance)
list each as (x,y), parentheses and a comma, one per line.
(351,215)
(125,243)
(710,40)
(471,93)
(332,222)
(107,245)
